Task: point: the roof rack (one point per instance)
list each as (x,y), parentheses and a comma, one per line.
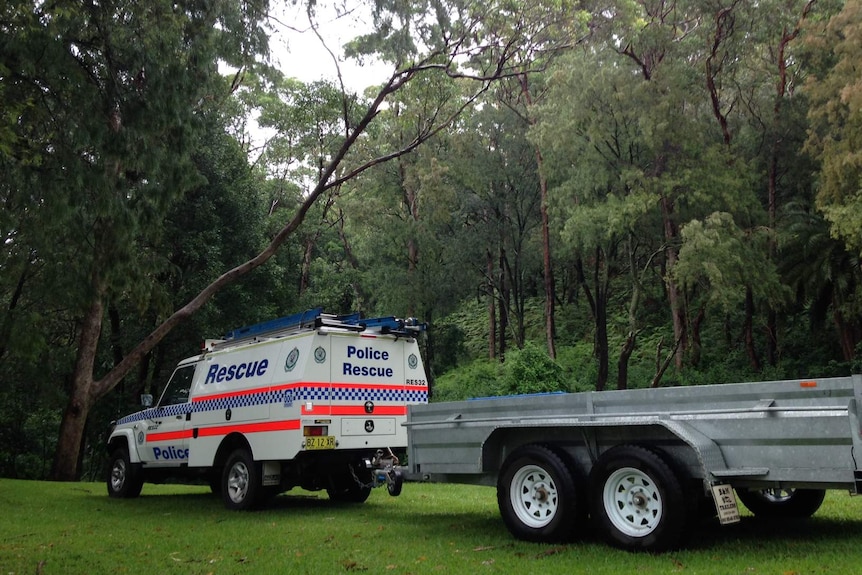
(315,318)
(288,323)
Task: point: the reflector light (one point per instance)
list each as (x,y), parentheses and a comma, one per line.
(808,384)
(315,430)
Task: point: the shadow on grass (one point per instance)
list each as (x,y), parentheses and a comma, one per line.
(418,518)
(753,531)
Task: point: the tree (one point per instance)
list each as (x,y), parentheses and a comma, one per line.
(835,135)
(186,76)
(115,95)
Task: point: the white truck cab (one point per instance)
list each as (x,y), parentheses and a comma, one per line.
(311,400)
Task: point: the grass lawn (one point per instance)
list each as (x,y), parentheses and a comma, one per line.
(63,528)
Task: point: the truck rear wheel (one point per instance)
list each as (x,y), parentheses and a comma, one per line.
(537,496)
(124,477)
(241,488)
(782,503)
(638,502)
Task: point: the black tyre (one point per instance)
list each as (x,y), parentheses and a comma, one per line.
(538,496)
(351,486)
(395,483)
(240,485)
(782,503)
(637,500)
(125,479)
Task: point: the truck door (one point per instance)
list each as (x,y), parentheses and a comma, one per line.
(168,428)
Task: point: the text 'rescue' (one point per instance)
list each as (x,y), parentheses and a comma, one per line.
(368,354)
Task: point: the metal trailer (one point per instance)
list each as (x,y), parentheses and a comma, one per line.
(645,463)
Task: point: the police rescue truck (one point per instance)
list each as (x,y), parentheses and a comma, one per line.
(311,400)
(325,402)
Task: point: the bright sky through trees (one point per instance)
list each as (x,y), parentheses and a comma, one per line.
(299,53)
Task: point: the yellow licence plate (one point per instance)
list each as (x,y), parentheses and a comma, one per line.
(320,442)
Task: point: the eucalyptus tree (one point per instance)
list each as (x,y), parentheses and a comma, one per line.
(596,154)
(113,109)
(821,250)
(835,91)
(107,103)
(494,168)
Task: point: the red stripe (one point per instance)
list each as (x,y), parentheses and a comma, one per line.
(256,427)
(317,410)
(169,435)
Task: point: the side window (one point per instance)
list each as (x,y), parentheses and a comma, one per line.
(178,387)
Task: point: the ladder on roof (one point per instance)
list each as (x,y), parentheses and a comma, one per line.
(315,318)
(288,323)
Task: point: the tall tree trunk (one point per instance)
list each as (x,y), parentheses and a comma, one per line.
(748,332)
(675,299)
(358,293)
(550,327)
(597,300)
(602,285)
(81,399)
(623,363)
(782,87)
(492,305)
(631,339)
(305,268)
(9,316)
(505,301)
(696,347)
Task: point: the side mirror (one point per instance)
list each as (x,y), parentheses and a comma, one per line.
(147,399)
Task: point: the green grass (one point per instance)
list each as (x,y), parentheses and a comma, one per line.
(61,528)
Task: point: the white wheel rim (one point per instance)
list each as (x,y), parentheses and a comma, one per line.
(633,502)
(118,474)
(237,482)
(534,497)
(778,494)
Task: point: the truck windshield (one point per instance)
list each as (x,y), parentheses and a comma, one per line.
(178,387)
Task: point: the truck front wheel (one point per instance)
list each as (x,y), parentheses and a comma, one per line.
(782,503)
(124,477)
(241,486)
(638,502)
(537,496)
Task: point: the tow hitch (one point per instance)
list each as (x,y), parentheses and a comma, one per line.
(385,470)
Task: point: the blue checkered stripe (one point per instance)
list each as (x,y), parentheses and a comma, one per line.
(399,395)
(302,393)
(167,411)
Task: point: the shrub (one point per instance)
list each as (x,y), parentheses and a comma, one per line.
(531,370)
(481,378)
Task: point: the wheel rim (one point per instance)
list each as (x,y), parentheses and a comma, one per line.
(534,496)
(118,475)
(633,502)
(237,482)
(777,495)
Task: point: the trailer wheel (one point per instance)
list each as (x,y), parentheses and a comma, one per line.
(538,496)
(782,503)
(395,482)
(638,502)
(241,488)
(125,479)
